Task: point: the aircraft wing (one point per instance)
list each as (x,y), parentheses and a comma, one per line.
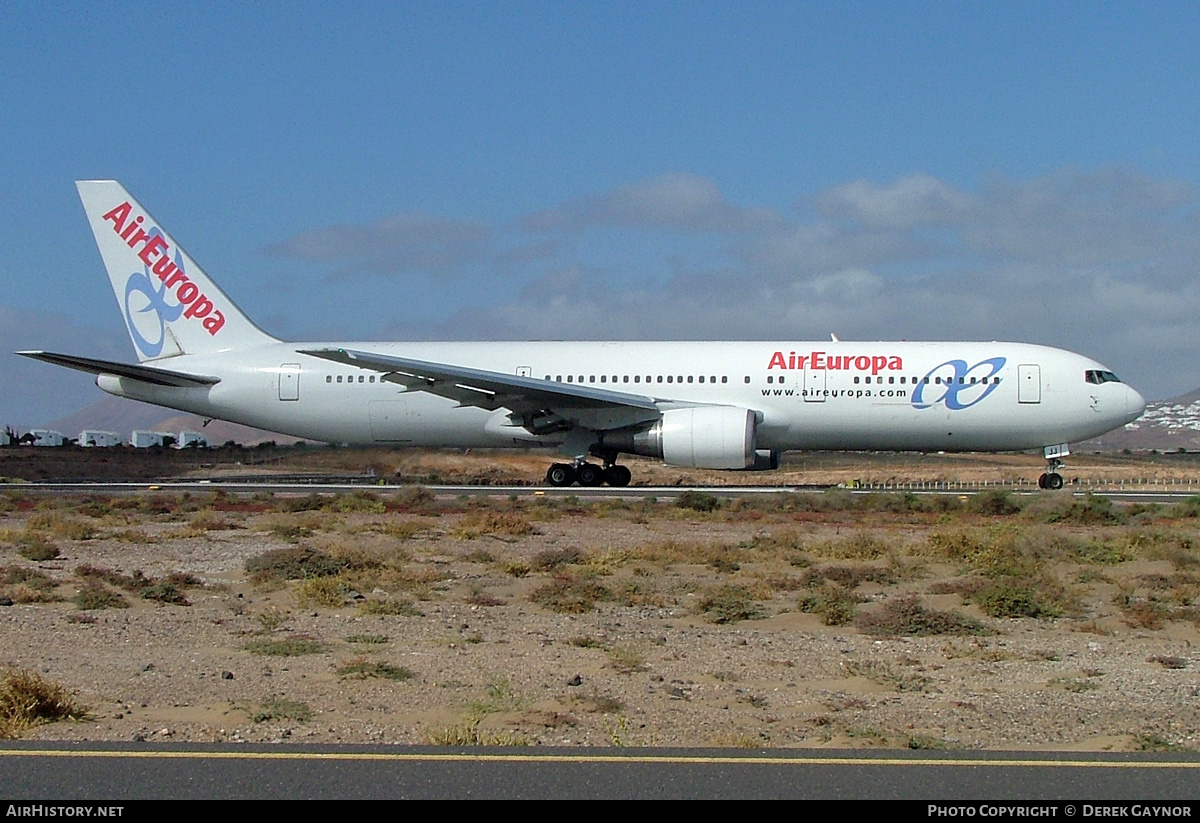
(525,397)
(147,374)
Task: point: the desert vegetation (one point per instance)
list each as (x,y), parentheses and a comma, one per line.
(794,618)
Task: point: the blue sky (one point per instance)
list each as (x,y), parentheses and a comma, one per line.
(515,170)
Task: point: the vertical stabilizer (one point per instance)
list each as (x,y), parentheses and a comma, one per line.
(170,305)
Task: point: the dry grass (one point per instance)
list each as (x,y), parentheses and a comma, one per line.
(28,699)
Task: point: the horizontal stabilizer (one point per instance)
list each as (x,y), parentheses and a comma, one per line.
(146,374)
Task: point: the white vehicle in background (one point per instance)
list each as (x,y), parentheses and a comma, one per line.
(191,440)
(717,405)
(146,439)
(46,437)
(89,438)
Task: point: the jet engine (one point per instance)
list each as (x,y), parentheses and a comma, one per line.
(705,437)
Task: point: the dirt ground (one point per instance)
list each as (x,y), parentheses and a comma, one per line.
(542,622)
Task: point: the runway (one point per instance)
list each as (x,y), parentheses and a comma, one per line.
(659,493)
(119,772)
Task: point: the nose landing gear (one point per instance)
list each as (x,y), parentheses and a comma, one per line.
(1051,479)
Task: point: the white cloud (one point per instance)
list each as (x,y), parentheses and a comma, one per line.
(393,245)
(1101,262)
(676,201)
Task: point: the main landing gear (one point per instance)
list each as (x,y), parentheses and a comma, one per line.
(588,474)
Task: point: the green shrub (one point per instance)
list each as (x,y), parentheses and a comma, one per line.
(294,563)
(1010,599)
(730,604)
(698,501)
(906,617)
(95,595)
(993,503)
(569,595)
(833,604)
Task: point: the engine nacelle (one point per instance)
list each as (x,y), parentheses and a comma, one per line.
(707,437)
(765,460)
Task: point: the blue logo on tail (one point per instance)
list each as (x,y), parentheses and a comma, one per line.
(149,339)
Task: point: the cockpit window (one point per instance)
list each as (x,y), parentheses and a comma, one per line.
(1099,376)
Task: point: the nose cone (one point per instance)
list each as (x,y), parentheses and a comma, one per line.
(1135,404)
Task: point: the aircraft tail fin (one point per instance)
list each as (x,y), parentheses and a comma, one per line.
(170,305)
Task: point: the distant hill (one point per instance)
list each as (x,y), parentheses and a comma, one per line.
(1167,425)
(125,416)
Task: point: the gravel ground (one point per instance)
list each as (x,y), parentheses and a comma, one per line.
(475,660)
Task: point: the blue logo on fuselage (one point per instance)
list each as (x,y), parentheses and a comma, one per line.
(961,386)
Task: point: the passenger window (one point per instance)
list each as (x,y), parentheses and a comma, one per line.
(669,378)
(689,378)
(660,378)
(725,379)
(770,379)
(747,378)
(339,378)
(856,380)
(637,378)
(570,378)
(329,378)
(603,378)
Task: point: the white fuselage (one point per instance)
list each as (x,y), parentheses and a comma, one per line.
(960,396)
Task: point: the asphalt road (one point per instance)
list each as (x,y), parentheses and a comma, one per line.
(31,771)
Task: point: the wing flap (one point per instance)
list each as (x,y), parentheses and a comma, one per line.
(144,373)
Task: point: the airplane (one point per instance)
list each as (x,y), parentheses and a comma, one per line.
(713,405)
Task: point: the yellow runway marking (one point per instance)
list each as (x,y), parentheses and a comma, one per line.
(570,758)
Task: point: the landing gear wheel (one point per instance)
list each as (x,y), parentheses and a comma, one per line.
(617,476)
(560,474)
(1053,481)
(588,474)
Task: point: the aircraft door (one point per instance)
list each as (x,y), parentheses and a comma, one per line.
(814,385)
(289,381)
(1029,383)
